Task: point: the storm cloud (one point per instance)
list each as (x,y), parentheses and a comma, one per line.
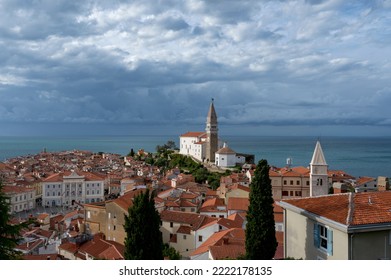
(266,63)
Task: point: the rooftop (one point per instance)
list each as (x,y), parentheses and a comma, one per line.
(350,209)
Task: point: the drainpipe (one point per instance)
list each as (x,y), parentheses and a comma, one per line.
(351,246)
(385,247)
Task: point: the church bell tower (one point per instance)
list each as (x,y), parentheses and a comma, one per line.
(211,133)
(319,184)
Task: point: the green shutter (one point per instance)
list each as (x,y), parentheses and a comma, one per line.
(329,242)
(316,236)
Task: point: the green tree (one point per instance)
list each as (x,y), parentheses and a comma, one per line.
(261,243)
(9,234)
(170,252)
(131,153)
(143,239)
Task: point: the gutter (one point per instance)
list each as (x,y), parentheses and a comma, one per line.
(334,224)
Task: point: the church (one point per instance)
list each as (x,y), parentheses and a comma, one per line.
(206,146)
(202,145)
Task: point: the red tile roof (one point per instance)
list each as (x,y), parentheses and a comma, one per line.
(232,239)
(59,177)
(184,230)
(238,203)
(348,208)
(193,134)
(194,220)
(126,200)
(364,180)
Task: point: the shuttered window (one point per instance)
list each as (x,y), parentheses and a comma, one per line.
(323,238)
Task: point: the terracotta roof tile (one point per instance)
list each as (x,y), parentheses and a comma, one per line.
(192,219)
(364,208)
(238,203)
(184,230)
(193,134)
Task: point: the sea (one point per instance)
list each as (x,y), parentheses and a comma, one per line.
(358,156)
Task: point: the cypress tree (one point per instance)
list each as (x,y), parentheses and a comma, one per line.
(143,239)
(261,243)
(9,234)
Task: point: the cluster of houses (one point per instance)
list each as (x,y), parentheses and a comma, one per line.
(92,193)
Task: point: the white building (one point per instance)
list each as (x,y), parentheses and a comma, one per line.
(20,198)
(226,157)
(193,144)
(202,145)
(62,189)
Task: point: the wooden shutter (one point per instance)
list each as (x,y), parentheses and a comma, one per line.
(316,235)
(329,242)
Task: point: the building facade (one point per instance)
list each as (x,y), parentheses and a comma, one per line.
(348,226)
(202,145)
(66,188)
(20,198)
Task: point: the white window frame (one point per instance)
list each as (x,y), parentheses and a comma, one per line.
(323,237)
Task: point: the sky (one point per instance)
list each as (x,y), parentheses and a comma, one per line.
(303,67)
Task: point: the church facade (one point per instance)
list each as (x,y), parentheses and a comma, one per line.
(202,145)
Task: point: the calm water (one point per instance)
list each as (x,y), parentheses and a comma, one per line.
(357,156)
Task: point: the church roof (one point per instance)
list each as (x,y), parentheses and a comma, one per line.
(318,156)
(194,134)
(226,150)
(212,116)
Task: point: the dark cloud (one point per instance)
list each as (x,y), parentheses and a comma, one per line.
(273,63)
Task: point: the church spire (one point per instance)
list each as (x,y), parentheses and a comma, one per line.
(318,156)
(211,132)
(212,117)
(318,173)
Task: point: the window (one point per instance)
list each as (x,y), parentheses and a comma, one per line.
(291,182)
(284,182)
(284,193)
(297,193)
(184,236)
(323,238)
(200,238)
(171,224)
(298,182)
(114,227)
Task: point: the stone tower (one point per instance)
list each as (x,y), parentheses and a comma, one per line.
(211,133)
(319,184)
